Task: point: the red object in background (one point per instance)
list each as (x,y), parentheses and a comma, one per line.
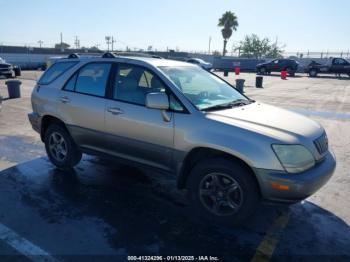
(237,70)
(284,74)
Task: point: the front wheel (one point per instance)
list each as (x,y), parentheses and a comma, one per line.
(222,191)
(313,73)
(290,71)
(60,147)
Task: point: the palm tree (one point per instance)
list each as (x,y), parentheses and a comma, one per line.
(229,23)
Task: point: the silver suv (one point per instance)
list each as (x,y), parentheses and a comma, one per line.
(227,150)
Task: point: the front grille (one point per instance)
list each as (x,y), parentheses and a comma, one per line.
(5,66)
(321,144)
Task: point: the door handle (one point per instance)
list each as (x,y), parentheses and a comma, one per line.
(115,110)
(64,99)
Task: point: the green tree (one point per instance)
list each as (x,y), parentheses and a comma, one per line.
(254,47)
(229,22)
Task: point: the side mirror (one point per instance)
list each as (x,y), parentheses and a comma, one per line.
(157,101)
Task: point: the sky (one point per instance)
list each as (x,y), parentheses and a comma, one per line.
(300,25)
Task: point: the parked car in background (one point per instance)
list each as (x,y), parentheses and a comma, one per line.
(333,66)
(197,61)
(227,150)
(7,70)
(278,65)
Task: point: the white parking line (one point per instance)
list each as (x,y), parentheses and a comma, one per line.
(23,246)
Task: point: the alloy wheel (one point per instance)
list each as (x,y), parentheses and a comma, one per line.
(58,146)
(220,194)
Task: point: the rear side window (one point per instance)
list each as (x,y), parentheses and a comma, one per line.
(92,79)
(71,83)
(55,71)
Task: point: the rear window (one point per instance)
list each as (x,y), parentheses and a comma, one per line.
(55,71)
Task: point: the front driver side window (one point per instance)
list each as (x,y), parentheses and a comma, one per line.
(133,83)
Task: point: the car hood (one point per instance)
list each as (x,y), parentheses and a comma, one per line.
(280,124)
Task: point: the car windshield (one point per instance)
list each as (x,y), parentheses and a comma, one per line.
(202,88)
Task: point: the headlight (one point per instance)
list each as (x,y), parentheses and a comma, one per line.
(294,158)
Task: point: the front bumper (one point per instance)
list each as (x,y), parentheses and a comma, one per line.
(6,71)
(295,187)
(35,121)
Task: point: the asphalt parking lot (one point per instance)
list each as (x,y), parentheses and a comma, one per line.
(106,210)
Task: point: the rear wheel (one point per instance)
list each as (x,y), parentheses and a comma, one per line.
(60,147)
(222,191)
(262,70)
(313,72)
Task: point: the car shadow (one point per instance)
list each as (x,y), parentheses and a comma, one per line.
(278,75)
(142,213)
(331,77)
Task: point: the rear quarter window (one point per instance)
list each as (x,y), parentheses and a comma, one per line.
(55,71)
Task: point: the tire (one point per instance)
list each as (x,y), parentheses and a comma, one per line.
(290,71)
(18,71)
(262,70)
(64,154)
(313,73)
(203,193)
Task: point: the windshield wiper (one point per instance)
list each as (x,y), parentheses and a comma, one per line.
(235,103)
(217,107)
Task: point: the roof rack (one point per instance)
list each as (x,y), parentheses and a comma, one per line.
(108,55)
(74,55)
(137,54)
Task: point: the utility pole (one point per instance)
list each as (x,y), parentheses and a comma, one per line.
(40,42)
(61,40)
(108,41)
(77,42)
(113,41)
(209,43)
